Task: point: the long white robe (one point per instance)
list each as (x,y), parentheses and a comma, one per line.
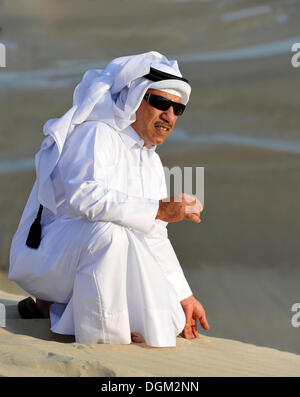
(104,259)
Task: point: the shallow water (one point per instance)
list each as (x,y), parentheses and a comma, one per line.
(62,73)
(246,12)
(248,52)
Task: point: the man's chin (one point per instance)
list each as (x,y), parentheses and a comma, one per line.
(158,140)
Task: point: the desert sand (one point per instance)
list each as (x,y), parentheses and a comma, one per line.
(27,349)
(242,261)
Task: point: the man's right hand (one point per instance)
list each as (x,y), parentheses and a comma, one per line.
(179,207)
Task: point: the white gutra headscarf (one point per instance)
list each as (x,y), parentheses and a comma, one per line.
(112,96)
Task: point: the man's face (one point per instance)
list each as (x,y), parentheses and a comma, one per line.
(154,125)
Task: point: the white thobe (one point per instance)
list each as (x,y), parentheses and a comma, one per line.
(104,260)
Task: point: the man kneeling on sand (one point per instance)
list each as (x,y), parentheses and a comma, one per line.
(92,244)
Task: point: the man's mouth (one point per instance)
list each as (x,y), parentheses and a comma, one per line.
(162,129)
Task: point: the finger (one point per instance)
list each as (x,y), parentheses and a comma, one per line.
(193,217)
(187,332)
(200,205)
(193,200)
(188,198)
(194,329)
(193,209)
(203,321)
(188,311)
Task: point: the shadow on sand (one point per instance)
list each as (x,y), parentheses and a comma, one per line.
(36,328)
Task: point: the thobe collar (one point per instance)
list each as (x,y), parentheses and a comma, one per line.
(131,138)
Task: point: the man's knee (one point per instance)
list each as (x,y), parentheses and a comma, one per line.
(104,235)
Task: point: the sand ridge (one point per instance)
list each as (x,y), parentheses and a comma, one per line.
(26,349)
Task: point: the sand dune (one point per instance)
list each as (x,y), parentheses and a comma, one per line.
(27,349)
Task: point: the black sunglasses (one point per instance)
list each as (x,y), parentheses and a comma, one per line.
(162,103)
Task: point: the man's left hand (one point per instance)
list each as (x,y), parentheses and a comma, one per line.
(193,311)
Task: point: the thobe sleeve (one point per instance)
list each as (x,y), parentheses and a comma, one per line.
(84,169)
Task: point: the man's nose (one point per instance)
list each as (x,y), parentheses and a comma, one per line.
(169,113)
